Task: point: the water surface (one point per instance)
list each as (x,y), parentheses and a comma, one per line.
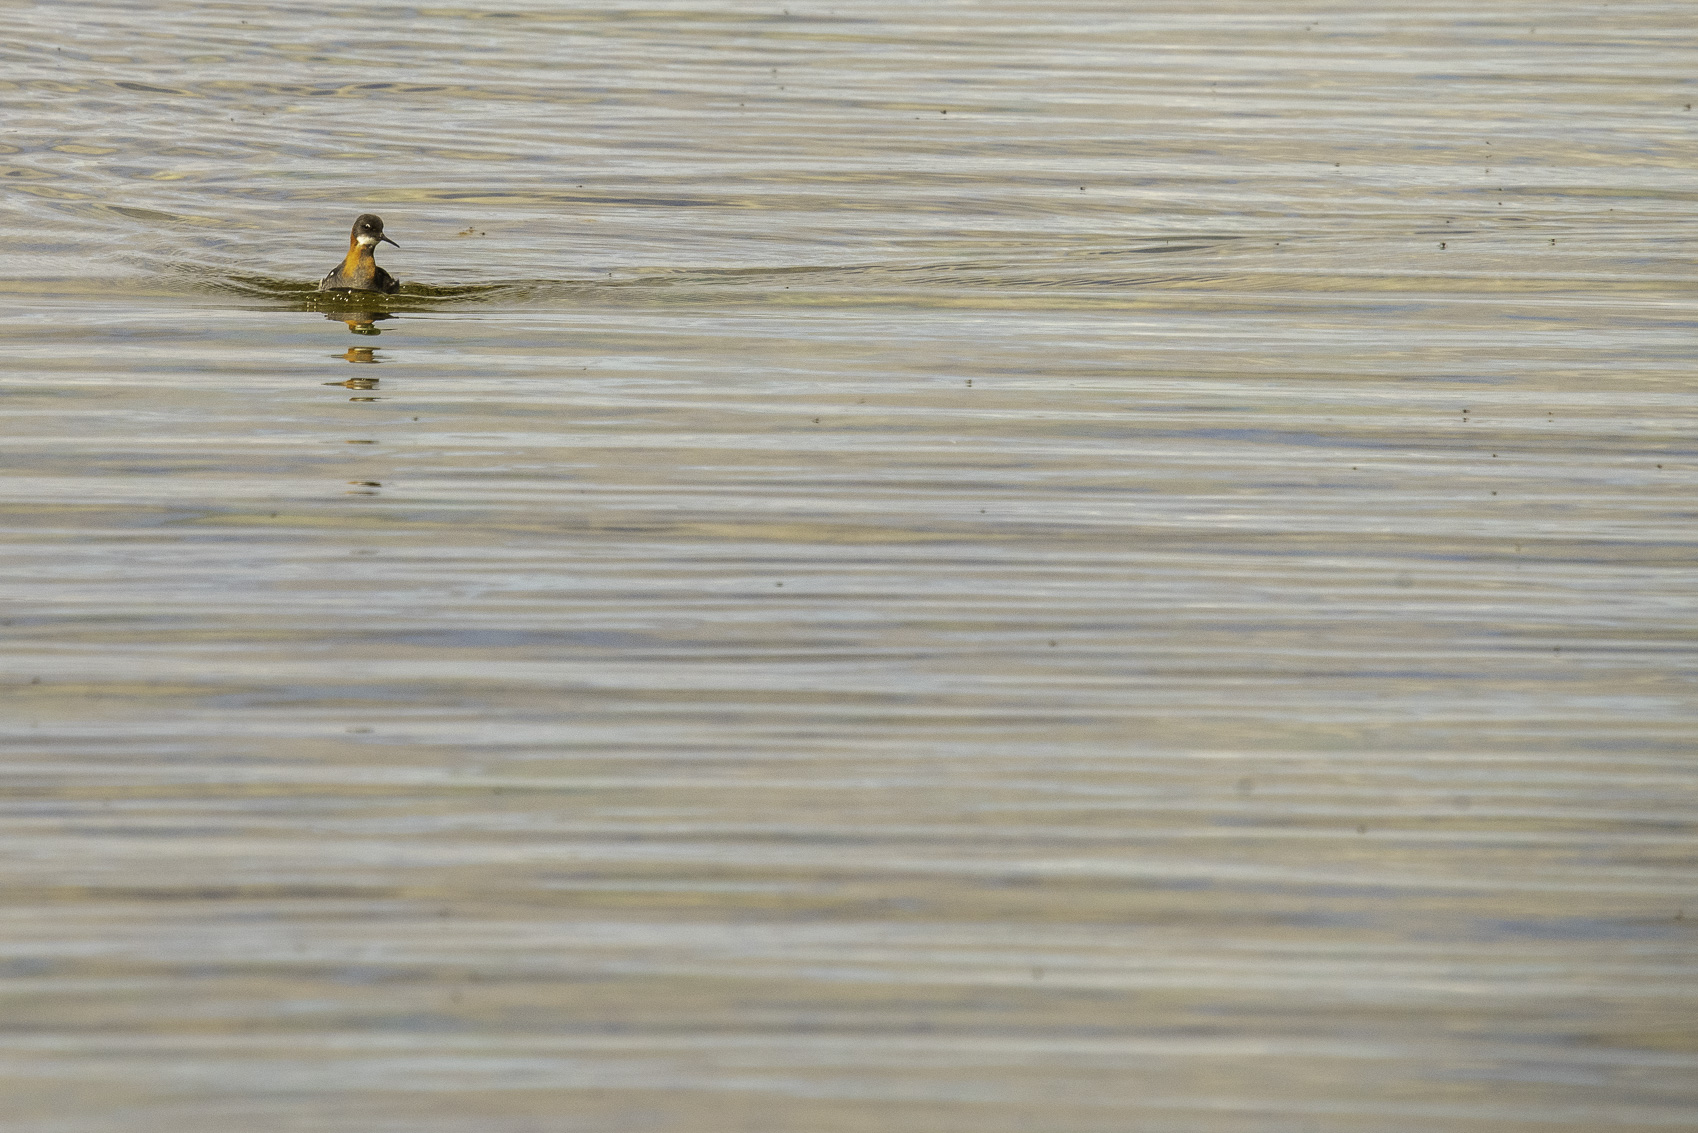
(975,567)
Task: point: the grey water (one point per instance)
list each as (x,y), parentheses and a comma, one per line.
(981,566)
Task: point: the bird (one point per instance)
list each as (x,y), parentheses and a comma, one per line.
(358,270)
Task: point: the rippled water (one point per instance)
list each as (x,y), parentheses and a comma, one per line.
(933,568)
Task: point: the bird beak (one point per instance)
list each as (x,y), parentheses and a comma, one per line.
(387,240)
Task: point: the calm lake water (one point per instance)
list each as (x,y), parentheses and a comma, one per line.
(997,567)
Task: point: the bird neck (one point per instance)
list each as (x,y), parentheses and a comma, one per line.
(359,256)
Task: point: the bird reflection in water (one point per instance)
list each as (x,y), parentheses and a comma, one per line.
(360,322)
(362,354)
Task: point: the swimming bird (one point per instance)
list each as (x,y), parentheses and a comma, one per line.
(358,270)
